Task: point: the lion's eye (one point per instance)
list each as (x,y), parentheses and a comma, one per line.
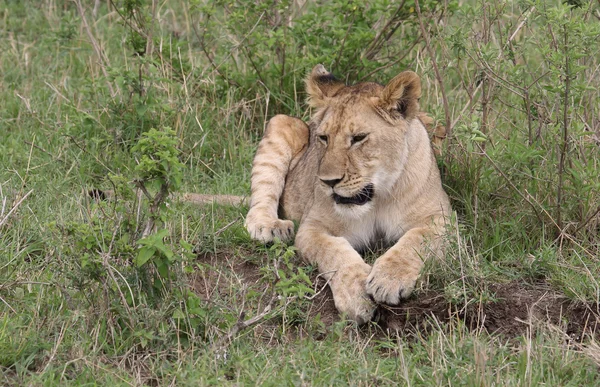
(323,138)
(358,138)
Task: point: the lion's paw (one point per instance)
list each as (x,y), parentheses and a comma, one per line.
(391,281)
(348,287)
(266,229)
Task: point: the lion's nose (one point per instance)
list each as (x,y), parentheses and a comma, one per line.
(332,182)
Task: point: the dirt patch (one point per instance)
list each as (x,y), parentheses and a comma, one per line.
(516,307)
(223,274)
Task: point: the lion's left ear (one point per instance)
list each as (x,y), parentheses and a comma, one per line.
(402,94)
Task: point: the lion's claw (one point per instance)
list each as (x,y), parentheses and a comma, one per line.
(389,284)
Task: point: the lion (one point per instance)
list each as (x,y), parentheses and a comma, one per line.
(361,171)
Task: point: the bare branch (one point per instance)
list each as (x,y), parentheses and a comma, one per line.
(14,208)
(103,59)
(438,76)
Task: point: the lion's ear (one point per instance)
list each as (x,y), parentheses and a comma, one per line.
(321,85)
(402,94)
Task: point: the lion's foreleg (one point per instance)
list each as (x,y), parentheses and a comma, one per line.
(395,273)
(284,138)
(341,266)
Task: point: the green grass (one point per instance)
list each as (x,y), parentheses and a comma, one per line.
(514,302)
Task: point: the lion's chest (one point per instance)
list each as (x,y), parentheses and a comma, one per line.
(372,228)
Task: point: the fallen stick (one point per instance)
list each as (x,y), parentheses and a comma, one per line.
(14,208)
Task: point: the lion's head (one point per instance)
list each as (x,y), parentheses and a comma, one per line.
(360,130)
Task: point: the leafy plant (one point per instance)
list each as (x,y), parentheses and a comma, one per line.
(269,48)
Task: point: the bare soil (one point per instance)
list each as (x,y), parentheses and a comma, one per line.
(516,308)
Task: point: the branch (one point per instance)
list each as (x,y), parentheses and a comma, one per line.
(565,139)
(14,208)
(510,183)
(244,324)
(97,49)
(379,39)
(527,14)
(154,204)
(390,64)
(582,225)
(438,77)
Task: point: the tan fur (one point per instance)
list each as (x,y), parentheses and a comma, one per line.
(359,136)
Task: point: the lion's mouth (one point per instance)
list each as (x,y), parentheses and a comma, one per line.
(363,197)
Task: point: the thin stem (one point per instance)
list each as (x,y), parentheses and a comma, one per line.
(565,134)
(99,53)
(435,69)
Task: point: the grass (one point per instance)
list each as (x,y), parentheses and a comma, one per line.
(514,302)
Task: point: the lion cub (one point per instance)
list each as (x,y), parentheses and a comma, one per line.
(362,170)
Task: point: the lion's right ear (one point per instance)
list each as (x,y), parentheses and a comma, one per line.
(321,85)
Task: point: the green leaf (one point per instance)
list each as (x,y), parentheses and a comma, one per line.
(186,245)
(141,109)
(163,269)
(144,255)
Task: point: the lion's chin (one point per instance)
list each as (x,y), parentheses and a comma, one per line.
(363,197)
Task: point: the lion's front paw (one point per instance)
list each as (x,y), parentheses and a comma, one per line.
(392,280)
(265,229)
(348,287)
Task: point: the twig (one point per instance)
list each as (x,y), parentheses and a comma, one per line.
(45,151)
(565,139)
(324,286)
(219,231)
(486,89)
(110,270)
(510,183)
(155,202)
(96,8)
(126,20)
(389,31)
(11,284)
(385,66)
(339,55)
(527,14)
(435,69)
(237,46)
(149,41)
(14,208)
(514,34)
(103,60)
(88,153)
(61,335)
(256,70)
(142,188)
(485,92)
(243,324)
(582,225)
(108,254)
(7,304)
(210,59)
